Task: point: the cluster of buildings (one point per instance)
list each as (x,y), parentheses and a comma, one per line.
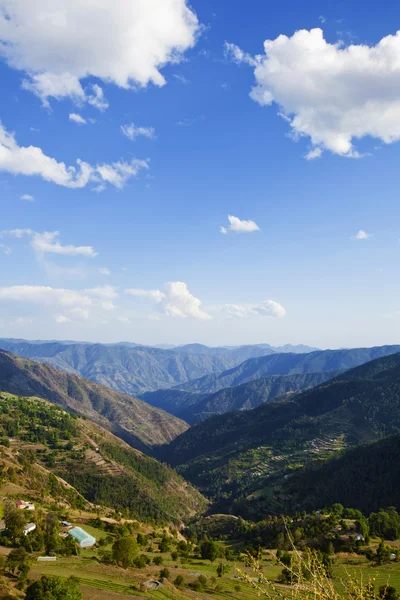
(84,539)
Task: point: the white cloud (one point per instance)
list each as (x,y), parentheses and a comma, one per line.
(97,99)
(17,233)
(5,249)
(182,79)
(47,242)
(104,271)
(331,93)
(362,235)
(175,301)
(155,295)
(59,44)
(313,154)
(132,132)
(239,226)
(61,319)
(27,197)
(31,160)
(124,319)
(269,308)
(235,54)
(74,304)
(77,119)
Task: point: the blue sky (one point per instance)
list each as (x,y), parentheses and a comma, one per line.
(310,160)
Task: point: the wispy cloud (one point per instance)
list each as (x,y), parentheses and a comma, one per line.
(132,132)
(77,119)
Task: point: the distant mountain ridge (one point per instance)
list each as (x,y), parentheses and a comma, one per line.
(130,368)
(195,407)
(287,364)
(139,424)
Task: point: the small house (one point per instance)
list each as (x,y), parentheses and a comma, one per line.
(22,505)
(84,539)
(29,528)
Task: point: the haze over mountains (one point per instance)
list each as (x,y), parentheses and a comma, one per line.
(134,369)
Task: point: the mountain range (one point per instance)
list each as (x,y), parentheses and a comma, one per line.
(141,425)
(134,369)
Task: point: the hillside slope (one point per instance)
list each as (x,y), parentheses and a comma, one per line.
(244,450)
(366,477)
(141,425)
(195,407)
(50,447)
(287,364)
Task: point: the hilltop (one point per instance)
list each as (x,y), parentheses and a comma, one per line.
(247,450)
(47,451)
(141,425)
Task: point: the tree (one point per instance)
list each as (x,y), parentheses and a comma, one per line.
(164,573)
(16,560)
(164,544)
(124,551)
(209,550)
(382,553)
(202,579)
(51,537)
(179,581)
(14,521)
(54,588)
(388,592)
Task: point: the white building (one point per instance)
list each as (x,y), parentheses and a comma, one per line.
(29,528)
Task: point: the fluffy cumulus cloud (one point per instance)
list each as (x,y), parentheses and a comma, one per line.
(31,160)
(74,304)
(48,243)
(238,226)
(174,301)
(331,93)
(362,235)
(125,43)
(269,308)
(132,132)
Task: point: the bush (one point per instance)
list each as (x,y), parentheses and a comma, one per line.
(179,581)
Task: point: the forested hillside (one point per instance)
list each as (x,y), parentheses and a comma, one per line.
(367,477)
(141,425)
(246,451)
(38,439)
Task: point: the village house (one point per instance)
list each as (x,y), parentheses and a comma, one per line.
(29,528)
(22,505)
